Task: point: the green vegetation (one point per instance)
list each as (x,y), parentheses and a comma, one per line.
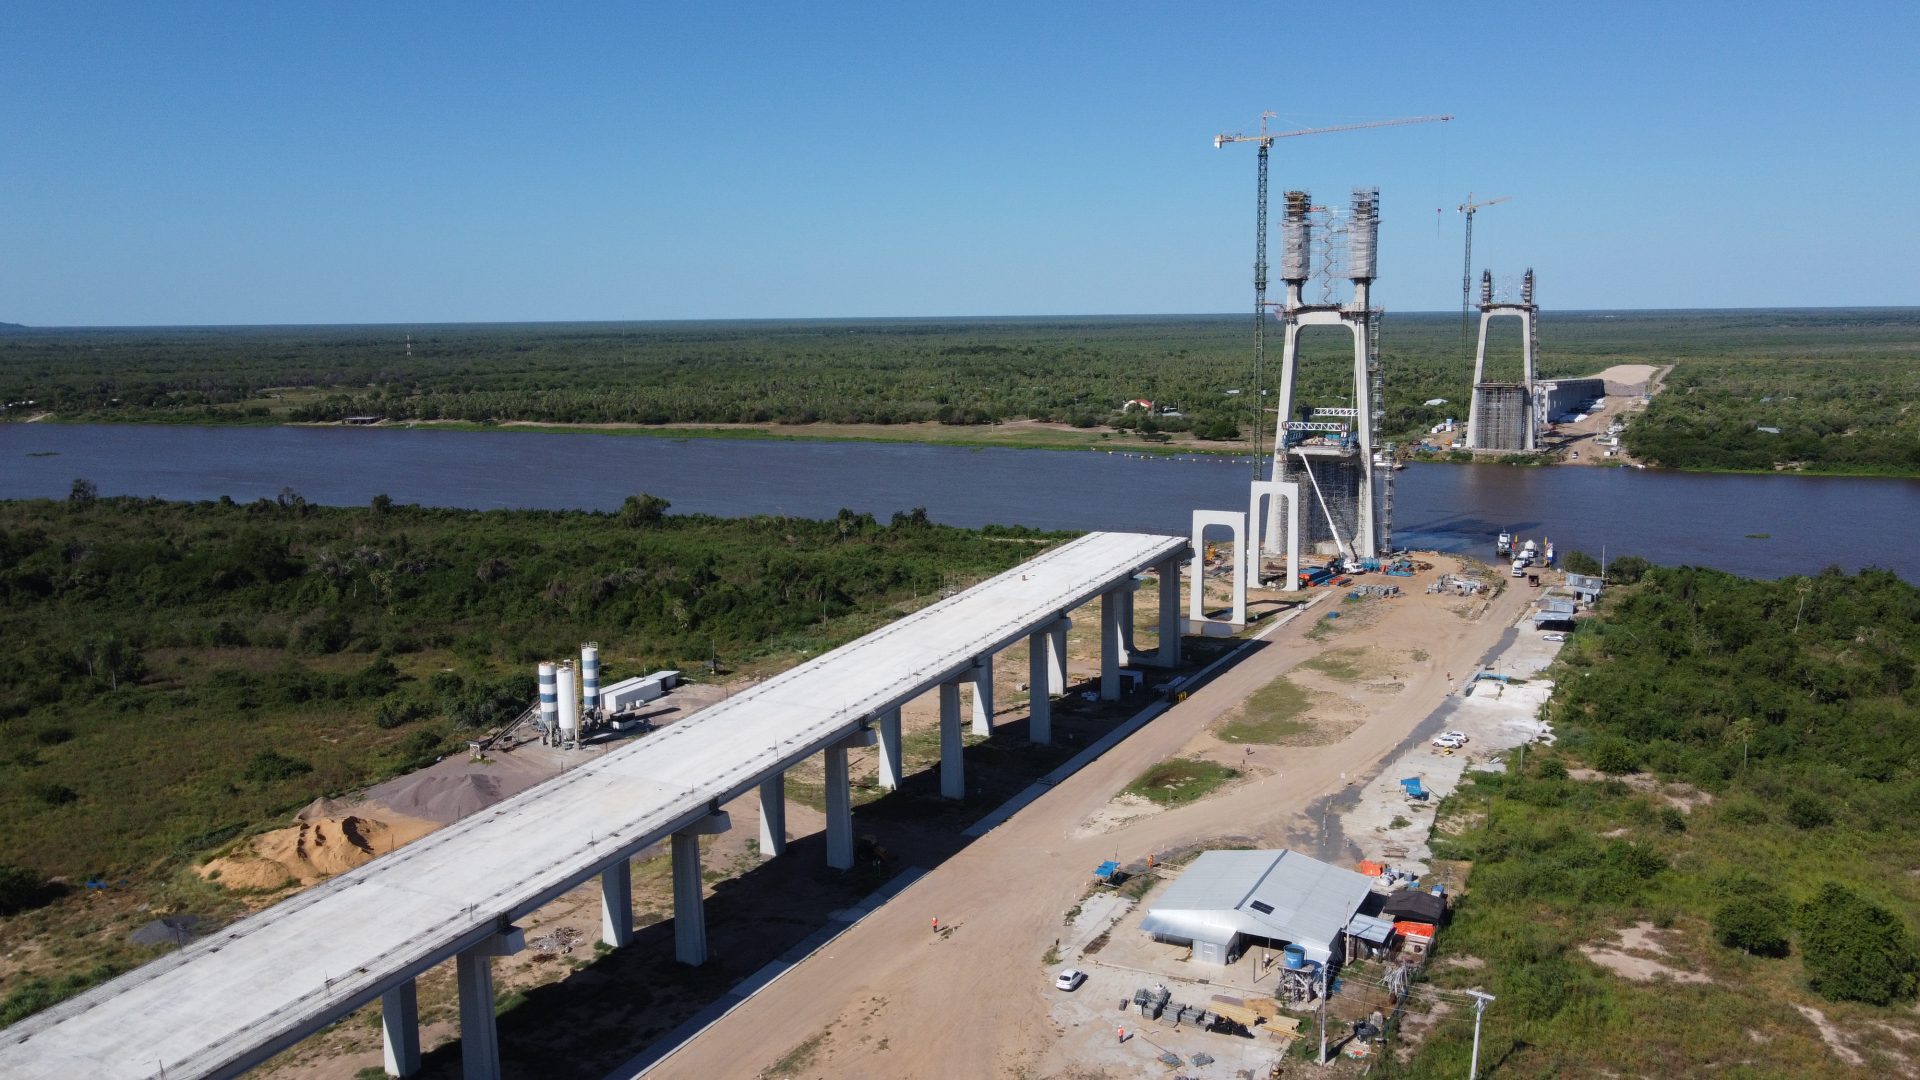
(1789,729)
(1833,382)
(1179,780)
(1271,715)
(181,674)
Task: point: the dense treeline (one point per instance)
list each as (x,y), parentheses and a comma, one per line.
(178,671)
(1834,382)
(1780,723)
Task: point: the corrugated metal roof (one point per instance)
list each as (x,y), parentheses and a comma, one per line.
(1271,894)
(1369,928)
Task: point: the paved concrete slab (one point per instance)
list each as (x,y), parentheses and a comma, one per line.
(234,998)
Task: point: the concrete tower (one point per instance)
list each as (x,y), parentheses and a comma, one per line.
(1501,415)
(1328,450)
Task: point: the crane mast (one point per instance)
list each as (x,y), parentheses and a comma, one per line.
(1466,273)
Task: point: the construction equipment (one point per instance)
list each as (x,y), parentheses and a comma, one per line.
(1265,138)
(1466,275)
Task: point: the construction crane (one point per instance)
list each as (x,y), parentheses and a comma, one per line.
(1466,275)
(1265,138)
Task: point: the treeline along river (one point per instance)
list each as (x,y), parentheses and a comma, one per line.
(1759,526)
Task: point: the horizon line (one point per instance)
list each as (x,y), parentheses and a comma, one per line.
(11,327)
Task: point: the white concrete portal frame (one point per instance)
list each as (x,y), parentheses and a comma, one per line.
(1266,529)
(1525,311)
(1236,524)
(233,999)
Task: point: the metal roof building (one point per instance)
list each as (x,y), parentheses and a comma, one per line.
(1271,895)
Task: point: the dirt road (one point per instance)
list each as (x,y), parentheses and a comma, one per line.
(894,998)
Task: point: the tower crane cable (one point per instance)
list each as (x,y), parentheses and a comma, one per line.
(1265,140)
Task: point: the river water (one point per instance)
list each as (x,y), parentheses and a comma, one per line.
(1675,518)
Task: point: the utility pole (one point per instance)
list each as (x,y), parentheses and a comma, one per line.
(1323,1010)
(1480,1003)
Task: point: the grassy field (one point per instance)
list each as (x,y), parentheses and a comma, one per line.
(1834,382)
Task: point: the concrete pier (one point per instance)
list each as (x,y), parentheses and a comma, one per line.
(840,800)
(1057,655)
(1039,700)
(1170,626)
(400,1028)
(616,904)
(891,767)
(1110,607)
(953,765)
(983,695)
(479,1037)
(689,906)
(773,815)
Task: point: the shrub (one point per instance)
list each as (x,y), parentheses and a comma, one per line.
(268,766)
(1755,921)
(1806,811)
(20,889)
(1552,768)
(1855,950)
(1672,820)
(1614,755)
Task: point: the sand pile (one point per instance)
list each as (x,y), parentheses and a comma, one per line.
(458,788)
(312,851)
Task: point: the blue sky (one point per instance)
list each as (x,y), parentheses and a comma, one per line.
(257,163)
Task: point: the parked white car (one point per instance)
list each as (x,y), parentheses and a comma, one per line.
(1069,980)
(1452,740)
(1554,636)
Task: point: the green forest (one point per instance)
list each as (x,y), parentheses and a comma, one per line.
(1754,757)
(1835,383)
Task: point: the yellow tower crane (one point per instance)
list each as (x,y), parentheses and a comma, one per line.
(1466,275)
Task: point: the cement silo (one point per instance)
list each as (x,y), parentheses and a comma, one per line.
(569,704)
(549,702)
(589,678)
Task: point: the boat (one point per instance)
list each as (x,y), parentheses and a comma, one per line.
(1503,547)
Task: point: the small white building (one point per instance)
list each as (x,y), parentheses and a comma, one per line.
(1227,900)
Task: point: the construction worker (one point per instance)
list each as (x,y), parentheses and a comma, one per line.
(936,924)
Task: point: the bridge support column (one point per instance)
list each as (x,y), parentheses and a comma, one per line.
(1039,701)
(689,910)
(773,815)
(1169,655)
(1110,645)
(616,904)
(400,1028)
(1057,655)
(479,1037)
(1128,650)
(983,695)
(891,769)
(953,765)
(840,800)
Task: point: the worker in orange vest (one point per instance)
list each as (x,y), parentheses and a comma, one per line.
(936,924)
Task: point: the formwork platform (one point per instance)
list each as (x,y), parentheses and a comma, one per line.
(1501,410)
(231,1000)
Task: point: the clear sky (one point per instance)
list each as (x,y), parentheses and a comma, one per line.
(418,162)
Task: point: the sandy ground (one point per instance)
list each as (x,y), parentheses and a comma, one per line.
(891,999)
(1641,956)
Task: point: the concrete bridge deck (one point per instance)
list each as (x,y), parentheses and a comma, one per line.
(235,998)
